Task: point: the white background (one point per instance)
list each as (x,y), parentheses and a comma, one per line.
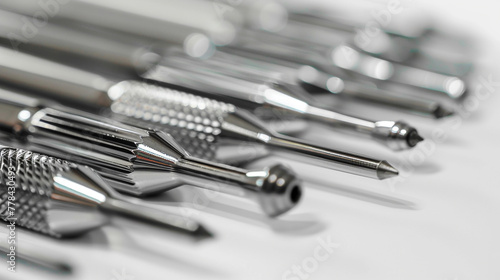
(453,232)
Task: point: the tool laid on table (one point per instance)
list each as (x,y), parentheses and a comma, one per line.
(131,57)
(167,25)
(274,28)
(221,83)
(206,77)
(39,255)
(167,109)
(139,161)
(314,25)
(62,199)
(335,60)
(361,66)
(307,76)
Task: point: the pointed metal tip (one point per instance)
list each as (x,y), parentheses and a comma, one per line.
(441,112)
(414,138)
(385,170)
(202,233)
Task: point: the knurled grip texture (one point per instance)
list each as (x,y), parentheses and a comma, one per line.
(192,120)
(33,187)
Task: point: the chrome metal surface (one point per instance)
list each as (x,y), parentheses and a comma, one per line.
(39,255)
(61,199)
(340,85)
(84,90)
(384,70)
(217,121)
(139,161)
(348,58)
(196,117)
(253,92)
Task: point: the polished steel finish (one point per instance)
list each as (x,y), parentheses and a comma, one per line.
(384,70)
(40,255)
(133,57)
(346,88)
(331,32)
(61,199)
(219,82)
(234,61)
(173,23)
(397,40)
(218,121)
(213,78)
(347,58)
(196,117)
(140,161)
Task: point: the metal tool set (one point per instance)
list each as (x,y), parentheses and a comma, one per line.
(107,102)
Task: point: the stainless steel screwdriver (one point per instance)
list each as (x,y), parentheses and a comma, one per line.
(168,109)
(41,256)
(246,93)
(314,26)
(306,75)
(139,161)
(327,58)
(344,57)
(62,199)
(222,83)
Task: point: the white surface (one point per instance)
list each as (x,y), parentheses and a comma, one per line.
(453,234)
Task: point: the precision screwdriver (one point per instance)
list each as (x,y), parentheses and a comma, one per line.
(139,22)
(360,65)
(62,199)
(400,39)
(250,92)
(305,75)
(139,161)
(274,16)
(375,59)
(132,58)
(170,109)
(39,255)
(219,84)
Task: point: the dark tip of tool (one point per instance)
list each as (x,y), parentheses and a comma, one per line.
(385,170)
(441,112)
(64,268)
(414,138)
(202,233)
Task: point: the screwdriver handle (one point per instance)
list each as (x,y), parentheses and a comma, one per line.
(112,48)
(170,22)
(68,83)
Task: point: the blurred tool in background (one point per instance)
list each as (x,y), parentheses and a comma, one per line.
(209,119)
(253,26)
(241,86)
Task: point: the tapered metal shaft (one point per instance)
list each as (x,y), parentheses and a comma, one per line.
(248,93)
(61,199)
(199,117)
(140,161)
(305,75)
(219,78)
(346,58)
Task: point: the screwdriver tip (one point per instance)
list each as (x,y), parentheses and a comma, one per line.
(441,112)
(385,170)
(414,138)
(202,233)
